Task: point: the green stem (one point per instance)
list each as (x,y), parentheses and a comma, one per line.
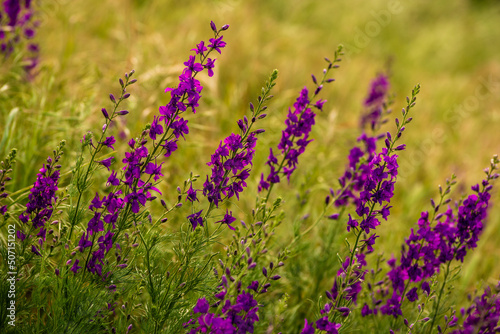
(436,308)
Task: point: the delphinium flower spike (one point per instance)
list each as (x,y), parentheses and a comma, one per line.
(359,168)
(41,201)
(141,161)
(481,317)
(375,103)
(295,137)
(376,191)
(231,163)
(81,175)
(165,136)
(235,308)
(440,239)
(17,19)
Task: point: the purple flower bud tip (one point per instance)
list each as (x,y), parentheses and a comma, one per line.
(122,112)
(212,25)
(225,27)
(112,98)
(335,216)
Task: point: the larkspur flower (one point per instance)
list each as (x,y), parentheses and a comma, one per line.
(367,184)
(21,24)
(217,44)
(195,219)
(237,317)
(295,137)
(482,316)
(374,102)
(42,197)
(228,220)
(191,194)
(106,162)
(230,167)
(438,240)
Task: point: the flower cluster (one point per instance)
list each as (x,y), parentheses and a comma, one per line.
(105,210)
(294,140)
(323,324)
(139,160)
(483,315)
(374,102)
(42,198)
(230,166)
(17,22)
(232,160)
(431,246)
(238,317)
(187,93)
(369,184)
(360,157)
(295,137)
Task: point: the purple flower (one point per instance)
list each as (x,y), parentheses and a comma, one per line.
(482,316)
(209,66)
(191,194)
(134,199)
(374,102)
(154,169)
(436,242)
(308,328)
(378,90)
(195,219)
(200,48)
(42,197)
(109,142)
(327,326)
(170,147)
(113,180)
(75,267)
(202,306)
(217,44)
(35,251)
(155,129)
(180,128)
(229,167)
(84,242)
(191,66)
(106,162)
(228,220)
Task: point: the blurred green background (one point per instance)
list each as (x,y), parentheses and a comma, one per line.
(451,48)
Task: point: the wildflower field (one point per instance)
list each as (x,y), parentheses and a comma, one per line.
(233,166)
